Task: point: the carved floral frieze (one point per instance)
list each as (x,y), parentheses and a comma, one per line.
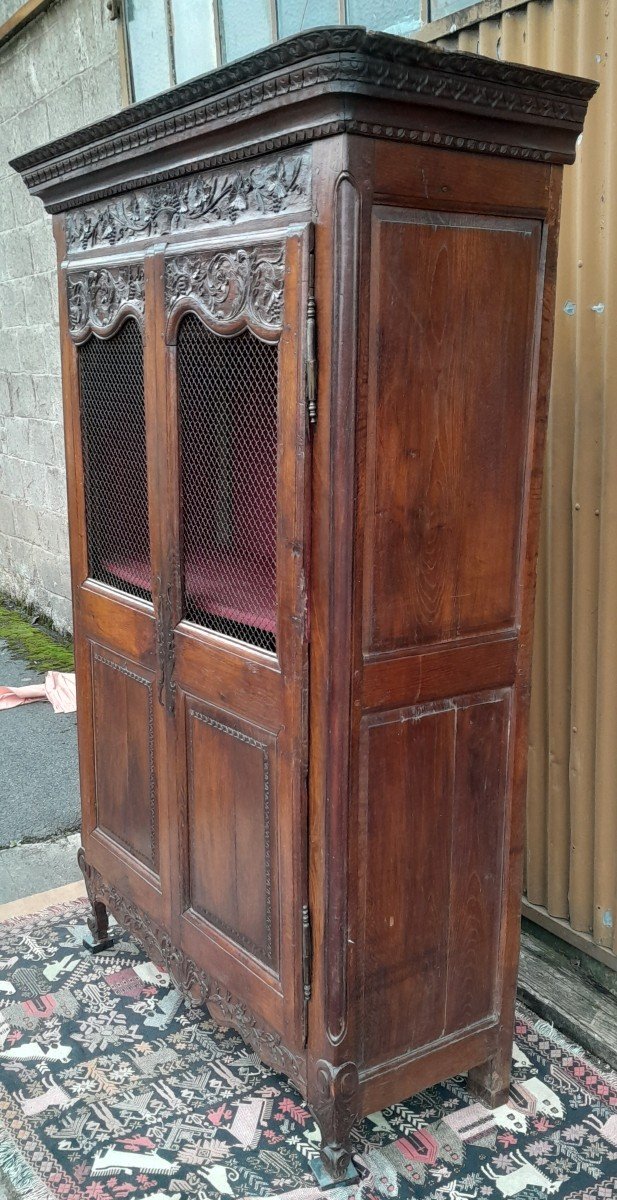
(191,980)
(231,285)
(276,185)
(97,296)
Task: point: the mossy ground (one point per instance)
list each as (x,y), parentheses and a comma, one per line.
(31,638)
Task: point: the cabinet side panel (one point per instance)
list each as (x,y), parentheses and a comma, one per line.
(477,862)
(450,360)
(432,799)
(407,805)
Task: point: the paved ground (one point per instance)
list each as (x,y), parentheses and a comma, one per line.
(39,790)
(38,867)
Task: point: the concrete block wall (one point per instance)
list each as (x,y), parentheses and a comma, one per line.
(61,71)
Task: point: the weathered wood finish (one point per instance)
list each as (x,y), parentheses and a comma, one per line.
(331,860)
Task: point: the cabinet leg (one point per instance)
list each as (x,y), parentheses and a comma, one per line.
(490,1081)
(98,921)
(333,1100)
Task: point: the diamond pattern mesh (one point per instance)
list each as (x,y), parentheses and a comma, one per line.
(114,442)
(228,390)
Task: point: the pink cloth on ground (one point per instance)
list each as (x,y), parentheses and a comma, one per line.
(58,688)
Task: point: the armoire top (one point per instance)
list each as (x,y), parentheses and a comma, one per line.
(313,85)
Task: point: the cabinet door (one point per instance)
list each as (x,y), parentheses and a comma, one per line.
(236,380)
(111,449)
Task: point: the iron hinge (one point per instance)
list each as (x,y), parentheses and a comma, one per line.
(311,344)
(307,955)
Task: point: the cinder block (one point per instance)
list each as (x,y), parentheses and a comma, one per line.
(61,611)
(12,307)
(26,521)
(18,255)
(48,392)
(6,406)
(32,123)
(54,533)
(22,394)
(41,442)
(7,523)
(53,291)
(59,453)
(32,350)
(7,216)
(26,208)
(37,297)
(42,246)
(52,351)
(12,480)
(101,92)
(55,493)
(18,437)
(53,573)
(34,483)
(65,108)
(9,351)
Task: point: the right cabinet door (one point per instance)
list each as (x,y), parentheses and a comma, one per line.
(239,620)
(451,380)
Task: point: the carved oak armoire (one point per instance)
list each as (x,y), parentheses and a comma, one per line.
(306,314)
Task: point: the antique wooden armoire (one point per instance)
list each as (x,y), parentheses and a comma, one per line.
(306,313)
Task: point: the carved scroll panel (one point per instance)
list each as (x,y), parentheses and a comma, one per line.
(231,289)
(100,298)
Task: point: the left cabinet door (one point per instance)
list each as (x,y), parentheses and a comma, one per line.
(111,442)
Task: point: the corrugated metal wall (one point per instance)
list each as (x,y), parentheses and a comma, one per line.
(572,795)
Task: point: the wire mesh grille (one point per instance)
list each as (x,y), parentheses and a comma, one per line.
(114,443)
(228,390)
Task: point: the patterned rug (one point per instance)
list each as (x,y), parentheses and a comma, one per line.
(111,1088)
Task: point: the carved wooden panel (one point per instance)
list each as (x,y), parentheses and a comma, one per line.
(431,899)
(274,185)
(232,851)
(124,755)
(231,288)
(448,427)
(100,298)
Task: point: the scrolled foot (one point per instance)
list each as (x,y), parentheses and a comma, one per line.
(336,1160)
(98,921)
(334,1100)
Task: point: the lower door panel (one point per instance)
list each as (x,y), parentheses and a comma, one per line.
(125,766)
(122,739)
(232,876)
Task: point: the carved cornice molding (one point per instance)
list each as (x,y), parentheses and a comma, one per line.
(280,184)
(348,64)
(191,980)
(100,299)
(356,54)
(230,288)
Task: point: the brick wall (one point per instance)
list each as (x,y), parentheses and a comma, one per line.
(60,72)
